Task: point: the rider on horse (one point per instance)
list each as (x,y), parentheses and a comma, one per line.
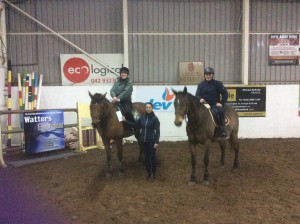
(209,91)
(121,93)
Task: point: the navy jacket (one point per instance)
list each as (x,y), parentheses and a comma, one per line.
(149,127)
(211,92)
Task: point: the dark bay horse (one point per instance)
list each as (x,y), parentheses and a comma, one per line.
(200,129)
(105,120)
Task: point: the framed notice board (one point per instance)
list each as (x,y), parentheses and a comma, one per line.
(191,73)
(248,101)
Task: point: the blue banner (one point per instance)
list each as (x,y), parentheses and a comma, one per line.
(44,131)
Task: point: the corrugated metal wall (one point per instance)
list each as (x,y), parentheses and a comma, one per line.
(161,33)
(272,17)
(93,25)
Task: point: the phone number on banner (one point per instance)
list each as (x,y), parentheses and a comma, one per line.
(104,80)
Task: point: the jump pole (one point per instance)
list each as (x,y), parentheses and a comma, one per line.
(9,128)
(20,91)
(29,93)
(21,105)
(40,91)
(32,90)
(23,89)
(26,91)
(36,89)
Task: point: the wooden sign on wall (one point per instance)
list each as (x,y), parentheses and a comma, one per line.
(190,73)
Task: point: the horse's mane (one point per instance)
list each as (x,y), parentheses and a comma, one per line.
(100,98)
(191,97)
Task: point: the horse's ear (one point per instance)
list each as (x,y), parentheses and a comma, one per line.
(91,95)
(185,90)
(104,94)
(174,91)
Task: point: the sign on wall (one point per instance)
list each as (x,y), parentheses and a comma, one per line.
(162,97)
(44,131)
(78,69)
(191,73)
(284,49)
(248,101)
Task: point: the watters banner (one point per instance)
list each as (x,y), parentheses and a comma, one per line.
(79,69)
(44,131)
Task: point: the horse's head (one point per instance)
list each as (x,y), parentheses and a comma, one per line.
(181,105)
(98,108)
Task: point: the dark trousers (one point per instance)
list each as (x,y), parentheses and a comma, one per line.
(127,106)
(150,156)
(220,113)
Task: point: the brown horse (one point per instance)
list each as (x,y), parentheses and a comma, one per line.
(201,128)
(105,120)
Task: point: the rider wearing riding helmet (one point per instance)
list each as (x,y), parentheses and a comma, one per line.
(210,91)
(121,92)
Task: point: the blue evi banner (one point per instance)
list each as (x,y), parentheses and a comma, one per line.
(44,131)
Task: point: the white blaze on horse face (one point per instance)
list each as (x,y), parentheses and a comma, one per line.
(178,118)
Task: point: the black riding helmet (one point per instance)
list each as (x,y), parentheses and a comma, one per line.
(124,70)
(209,70)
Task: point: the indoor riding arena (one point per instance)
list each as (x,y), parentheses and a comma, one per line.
(59,166)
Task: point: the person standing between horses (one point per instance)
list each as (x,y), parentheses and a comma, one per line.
(121,93)
(149,126)
(215,94)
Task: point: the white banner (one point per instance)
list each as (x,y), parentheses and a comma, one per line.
(161,97)
(78,69)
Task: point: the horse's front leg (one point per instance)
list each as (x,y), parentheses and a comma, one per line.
(206,163)
(106,143)
(222,147)
(193,162)
(119,144)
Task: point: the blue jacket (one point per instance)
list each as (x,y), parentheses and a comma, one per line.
(149,127)
(211,92)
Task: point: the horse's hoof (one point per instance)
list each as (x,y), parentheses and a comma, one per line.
(222,166)
(205,182)
(108,175)
(191,183)
(235,170)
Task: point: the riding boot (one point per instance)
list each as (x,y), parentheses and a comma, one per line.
(130,118)
(223,133)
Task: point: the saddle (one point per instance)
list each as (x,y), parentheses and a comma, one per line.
(128,115)
(215,117)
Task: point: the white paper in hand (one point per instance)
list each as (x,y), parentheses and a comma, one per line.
(119,115)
